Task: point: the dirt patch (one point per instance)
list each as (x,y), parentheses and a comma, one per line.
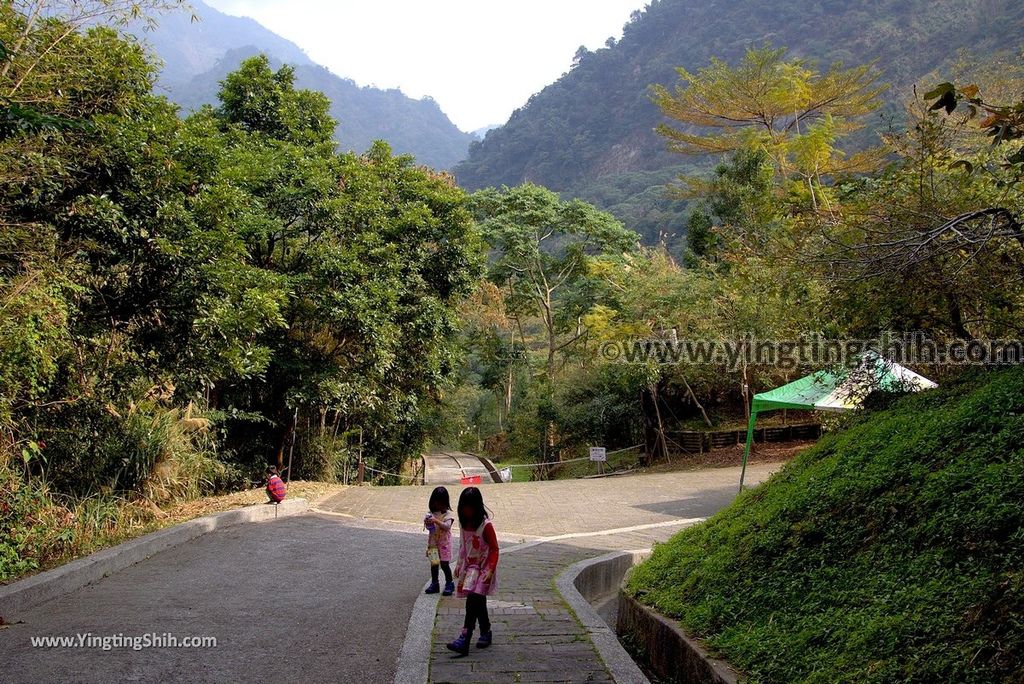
(731,456)
(312,491)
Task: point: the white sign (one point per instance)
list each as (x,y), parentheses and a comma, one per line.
(598,454)
(506,474)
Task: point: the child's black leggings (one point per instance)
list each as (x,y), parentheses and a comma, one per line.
(446,566)
(476,610)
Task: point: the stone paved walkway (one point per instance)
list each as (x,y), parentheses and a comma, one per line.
(531,509)
(537,637)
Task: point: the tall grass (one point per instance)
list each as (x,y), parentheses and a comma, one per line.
(166,455)
(42,528)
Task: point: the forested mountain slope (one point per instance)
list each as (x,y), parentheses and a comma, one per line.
(591,132)
(198,54)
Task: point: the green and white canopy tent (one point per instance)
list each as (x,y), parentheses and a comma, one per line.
(827,391)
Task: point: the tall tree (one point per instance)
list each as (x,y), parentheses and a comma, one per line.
(935,242)
(264,101)
(787,108)
(542,250)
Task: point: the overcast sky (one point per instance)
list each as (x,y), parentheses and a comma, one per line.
(480,59)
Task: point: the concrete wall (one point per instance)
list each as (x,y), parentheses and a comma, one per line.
(666,651)
(605,577)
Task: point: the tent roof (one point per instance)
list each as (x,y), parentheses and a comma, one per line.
(825,391)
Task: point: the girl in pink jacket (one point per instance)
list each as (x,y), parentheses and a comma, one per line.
(477,569)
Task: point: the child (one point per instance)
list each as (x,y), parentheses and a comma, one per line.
(275,486)
(477,568)
(439,544)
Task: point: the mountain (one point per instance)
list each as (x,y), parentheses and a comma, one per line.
(481,133)
(590,134)
(189,48)
(198,55)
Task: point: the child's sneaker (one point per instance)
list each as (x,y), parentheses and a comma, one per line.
(449,589)
(485,639)
(433,588)
(461,644)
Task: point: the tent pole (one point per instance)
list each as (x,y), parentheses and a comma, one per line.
(746,450)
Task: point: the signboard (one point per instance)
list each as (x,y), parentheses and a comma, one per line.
(598,454)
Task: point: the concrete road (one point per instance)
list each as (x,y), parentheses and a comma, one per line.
(299,599)
(531,509)
(327,597)
(449,467)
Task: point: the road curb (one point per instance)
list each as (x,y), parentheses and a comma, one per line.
(414,659)
(596,577)
(23,594)
(670,653)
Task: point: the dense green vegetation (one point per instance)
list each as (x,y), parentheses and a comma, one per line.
(889,552)
(596,123)
(791,236)
(185,298)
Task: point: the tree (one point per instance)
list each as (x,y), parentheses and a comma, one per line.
(34,35)
(739,203)
(231,265)
(490,331)
(934,243)
(263,101)
(785,108)
(542,250)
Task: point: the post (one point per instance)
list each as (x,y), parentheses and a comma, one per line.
(746,450)
(361,472)
(291,449)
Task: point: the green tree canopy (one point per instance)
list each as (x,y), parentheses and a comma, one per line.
(786,108)
(261,100)
(543,249)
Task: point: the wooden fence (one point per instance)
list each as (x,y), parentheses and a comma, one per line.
(700,441)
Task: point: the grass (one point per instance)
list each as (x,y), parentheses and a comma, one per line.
(518,474)
(623,460)
(892,551)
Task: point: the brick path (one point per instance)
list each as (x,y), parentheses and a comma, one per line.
(536,636)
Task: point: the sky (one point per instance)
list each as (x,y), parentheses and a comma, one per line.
(480,59)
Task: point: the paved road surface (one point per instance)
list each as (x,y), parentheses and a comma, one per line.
(449,467)
(297,599)
(528,509)
(327,597)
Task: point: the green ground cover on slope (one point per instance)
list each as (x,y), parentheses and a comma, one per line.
(891,551)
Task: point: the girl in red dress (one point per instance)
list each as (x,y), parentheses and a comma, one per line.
(477,569)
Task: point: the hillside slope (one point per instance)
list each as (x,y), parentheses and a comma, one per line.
(189,48)
(590,132)
(892,551)
(197,55)
(364,114)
